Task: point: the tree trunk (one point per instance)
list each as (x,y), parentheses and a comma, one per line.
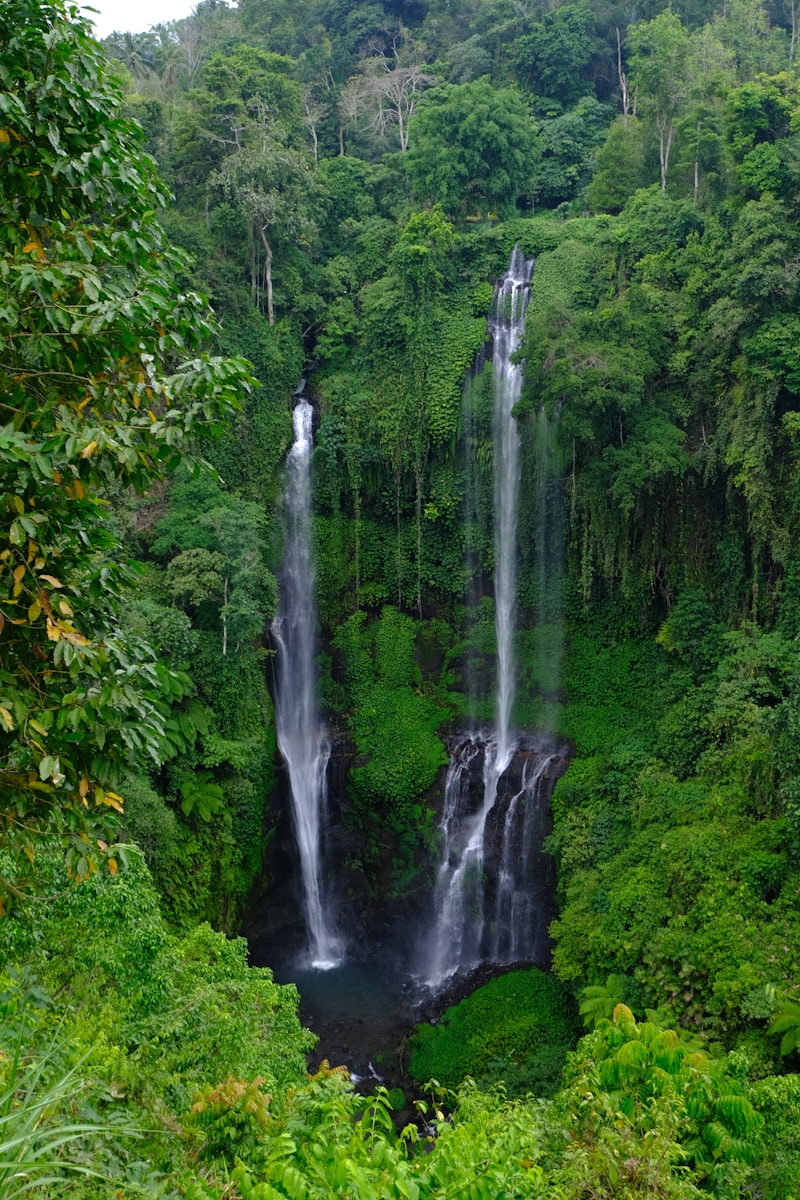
(225,620)
(267,273)
(341,140)
(664,126)
(623,82)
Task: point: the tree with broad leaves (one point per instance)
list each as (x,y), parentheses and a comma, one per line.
(104,378)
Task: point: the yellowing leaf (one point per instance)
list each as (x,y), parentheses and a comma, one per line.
(57,477)
(5,140)
(32,548)
(51,579)
(6,719)
(19,573)
(53,632)
(77,639)
(35,611)
(78,489)
(6,554)
(112,866)
(34,246)
(19,503)
(87,451)
(37,725)
(110,798)
(83,786)
(66,608)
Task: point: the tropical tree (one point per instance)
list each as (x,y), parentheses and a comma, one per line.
(269,184)
(473,147)
(552,57)
(103,378)
(660,74)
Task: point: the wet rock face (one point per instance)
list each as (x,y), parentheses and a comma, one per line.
(520,819)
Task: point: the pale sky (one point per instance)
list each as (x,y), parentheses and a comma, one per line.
(134,16)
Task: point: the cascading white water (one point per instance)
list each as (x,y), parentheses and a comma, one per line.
(492,891)
(457,896)
(507,322)
(302,738)
(519,925)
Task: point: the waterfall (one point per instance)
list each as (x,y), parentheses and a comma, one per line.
(493,890)
(493,887)
(302,738)
(458,900)
(507,322)
(524,883)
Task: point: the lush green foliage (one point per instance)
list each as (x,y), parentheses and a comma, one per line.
(516,1028)
(393,725)
(473,148)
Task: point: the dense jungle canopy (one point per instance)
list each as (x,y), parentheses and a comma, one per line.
(192,219)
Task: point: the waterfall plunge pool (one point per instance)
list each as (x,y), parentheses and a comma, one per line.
(395,972)
(364,1012)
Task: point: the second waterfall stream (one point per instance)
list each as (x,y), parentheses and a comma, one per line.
(493,876)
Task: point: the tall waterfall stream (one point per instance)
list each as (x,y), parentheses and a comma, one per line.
(302,738)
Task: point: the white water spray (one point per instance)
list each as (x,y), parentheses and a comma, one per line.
(507,323)
(302,738)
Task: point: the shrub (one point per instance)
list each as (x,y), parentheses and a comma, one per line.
(517,1028)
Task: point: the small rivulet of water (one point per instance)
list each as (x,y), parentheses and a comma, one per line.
(302,738)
